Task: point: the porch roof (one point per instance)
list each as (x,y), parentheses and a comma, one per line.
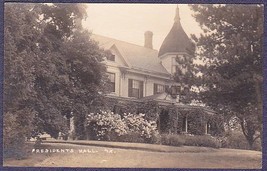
(164,100)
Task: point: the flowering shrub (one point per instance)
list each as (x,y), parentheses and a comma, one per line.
(129,127)
(106,125)
(137,123)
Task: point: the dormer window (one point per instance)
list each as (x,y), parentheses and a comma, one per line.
(111,57)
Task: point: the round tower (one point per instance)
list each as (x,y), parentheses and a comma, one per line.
(176,47)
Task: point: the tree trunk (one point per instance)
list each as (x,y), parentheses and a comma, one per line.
(250,143)
(258,91)
(248,132)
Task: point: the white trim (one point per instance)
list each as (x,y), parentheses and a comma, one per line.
(173,53)
(147,73)
(119,54)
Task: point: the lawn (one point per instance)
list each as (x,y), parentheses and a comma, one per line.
(180,157)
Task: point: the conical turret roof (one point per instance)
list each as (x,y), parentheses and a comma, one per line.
(176,40)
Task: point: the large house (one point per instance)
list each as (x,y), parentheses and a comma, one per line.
(137,72)
(141,73)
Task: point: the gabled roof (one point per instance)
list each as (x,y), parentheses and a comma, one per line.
(138,57)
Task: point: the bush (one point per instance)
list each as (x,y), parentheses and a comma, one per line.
(128,128)
(190,140)
(133,137)
(202,141)
(135,128)
(237,140)
(16,127)
(173,140)
(106,125)
(141,127)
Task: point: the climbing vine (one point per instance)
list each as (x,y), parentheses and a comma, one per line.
(169,118)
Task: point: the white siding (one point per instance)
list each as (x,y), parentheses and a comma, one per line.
(148,83)
(167,63)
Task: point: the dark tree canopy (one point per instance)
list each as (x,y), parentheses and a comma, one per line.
(53,69)
(232,49)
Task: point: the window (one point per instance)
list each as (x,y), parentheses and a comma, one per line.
(185,91)
(111,57)
(158,88)
(135,88)
(175,90)
(111,77)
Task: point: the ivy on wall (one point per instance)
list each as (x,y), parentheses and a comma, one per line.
(169,118)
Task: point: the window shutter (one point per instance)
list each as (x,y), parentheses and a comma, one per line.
(141,89)
(155,88)
(130,87)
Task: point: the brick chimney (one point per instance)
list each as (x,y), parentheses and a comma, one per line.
(148,39)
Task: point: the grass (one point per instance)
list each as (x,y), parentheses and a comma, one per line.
(183,157)
(28,160)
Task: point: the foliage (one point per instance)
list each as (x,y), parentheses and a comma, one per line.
(237,140)
(132,137)
(107,125)
(166,116)
(150,107)
(190,140)
(138,124)
(113,127)
(172,140)
(196,119)
(232,50)
(19,80)
(13,140)
(52,69)
(202,141)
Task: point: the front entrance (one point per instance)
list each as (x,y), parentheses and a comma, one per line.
(163,122)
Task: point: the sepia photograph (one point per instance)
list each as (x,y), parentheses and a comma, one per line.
(133,85)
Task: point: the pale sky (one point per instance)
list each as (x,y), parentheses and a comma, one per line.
(128,22)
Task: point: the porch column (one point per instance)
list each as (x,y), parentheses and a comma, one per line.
(173,114)
(175,122)
(186,127)
(206,128)
(72,128)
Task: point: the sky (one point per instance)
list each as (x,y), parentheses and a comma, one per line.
(128,22)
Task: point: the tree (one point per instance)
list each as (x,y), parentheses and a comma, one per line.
(87,77)
(232,49)
(18,78)
(52,68)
